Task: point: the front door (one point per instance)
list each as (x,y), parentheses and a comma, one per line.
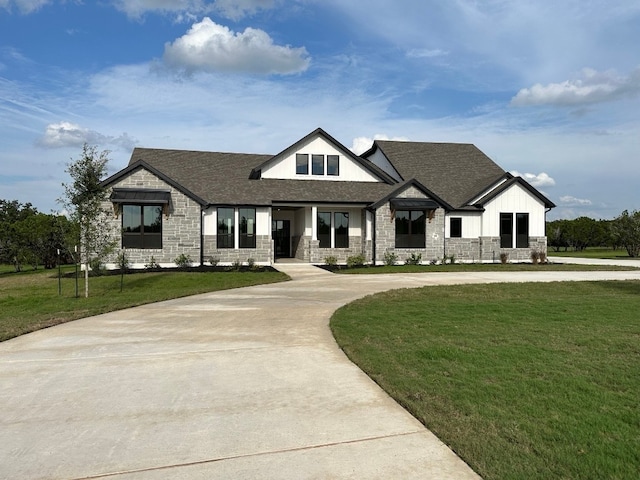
(281,238)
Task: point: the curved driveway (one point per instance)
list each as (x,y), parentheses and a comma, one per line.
(244,383)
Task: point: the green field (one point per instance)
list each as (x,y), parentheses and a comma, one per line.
(592,252)
(522,380)
(30,301)
(479,267)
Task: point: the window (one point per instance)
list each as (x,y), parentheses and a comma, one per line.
(141,226)
(302,164)
(522,230)
(324,229)
(341,227)
(455,227)
(247,218)
(333,165)
(226,227)
(317,164)
(410,229)
(506,230)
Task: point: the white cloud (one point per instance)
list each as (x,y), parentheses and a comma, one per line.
(210,47)
(24,6)
(569,201)
(236,9)
(233,9)
(592,87)
(362,144)
(537,180)
(66,134)
(426,53)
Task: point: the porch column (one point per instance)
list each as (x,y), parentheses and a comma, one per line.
(314,223)
(369,224)
(236,230)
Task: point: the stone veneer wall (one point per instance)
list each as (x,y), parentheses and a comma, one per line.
(490,249)
(262,254)
(180,230)
(317,254)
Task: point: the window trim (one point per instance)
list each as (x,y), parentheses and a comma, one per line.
(522,238)
(146,240)
(455,232)
(314,158)
(330,160)
(302,160)
(229,235)
(411,240)
(246,240)
(344,243)
(324,238)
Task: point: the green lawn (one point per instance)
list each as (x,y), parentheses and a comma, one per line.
(592,252)
(479,267)
(29,301)
(523,381)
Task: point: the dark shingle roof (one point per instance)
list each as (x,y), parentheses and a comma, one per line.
(456,172)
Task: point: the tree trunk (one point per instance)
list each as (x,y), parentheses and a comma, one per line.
(86,279)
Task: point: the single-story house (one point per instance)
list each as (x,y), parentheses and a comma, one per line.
(317,199)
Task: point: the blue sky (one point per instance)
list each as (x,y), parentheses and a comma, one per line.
(549,90)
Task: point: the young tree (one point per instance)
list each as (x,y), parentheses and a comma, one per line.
(83,199)
(626,229)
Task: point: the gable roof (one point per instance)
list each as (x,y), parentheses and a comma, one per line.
(512,181)
(455,172)
(411,183)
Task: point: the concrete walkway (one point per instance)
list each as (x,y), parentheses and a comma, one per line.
(241,384)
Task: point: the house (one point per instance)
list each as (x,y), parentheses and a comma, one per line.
(317,199)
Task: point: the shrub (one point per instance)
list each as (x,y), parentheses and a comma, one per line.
(433,261)
(535,256)
(452,259)
(183,261)
(355,261)
(413,259)
(331,261)
(251,262)
(504,257)
(236,264)
(543,257)
(96,266)
(123,261)
(390,258)
(152,265)
(213,261)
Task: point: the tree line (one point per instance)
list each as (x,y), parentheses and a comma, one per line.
(580,233)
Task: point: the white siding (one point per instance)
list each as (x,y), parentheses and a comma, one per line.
(515,200)
(349,170)
(471,224)
(379,159)
(263,221)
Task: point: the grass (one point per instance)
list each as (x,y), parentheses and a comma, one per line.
(592,252)
(522,380)
(479,267)
(29,301)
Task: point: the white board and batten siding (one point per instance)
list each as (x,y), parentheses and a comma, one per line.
(471,224)
(514,200)
(263,221)
(349,170)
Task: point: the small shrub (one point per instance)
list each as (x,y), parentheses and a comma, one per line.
(236,264)
(97,267)
(390,258)
(413,259)
(123,261)
(452,259)
(213,261)
(535,256)
(355,261)
(152,265)
(251,263)
(504,257)
(433,261)
(183,261)
(543,257)
(331,261)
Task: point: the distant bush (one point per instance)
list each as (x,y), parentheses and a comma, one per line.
(355,261)
(413,259)
(183,261)
(390,258)
(331,261)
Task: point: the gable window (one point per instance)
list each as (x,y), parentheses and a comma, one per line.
(247,220)
(324,229)
(522,230)
(317,164)
(455,227)
(333,165)
(226,227)
(302,164)
(341,228)
(506,230)
(142,226)
(410,229)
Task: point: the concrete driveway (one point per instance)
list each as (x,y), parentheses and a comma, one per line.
(245,383)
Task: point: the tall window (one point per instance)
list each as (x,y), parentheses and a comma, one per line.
(317,164)
(324,229)
(506,230)
(302,164)
(226,227)
(341,228)
(142,226)
(247,227)
(455,227)
(410,229)
(333,165)
(522,230)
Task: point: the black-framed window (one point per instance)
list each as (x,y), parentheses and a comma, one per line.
(247,219)
(455,227)
(302,164)
(341,229)
(324,229)
(522,230)
(333,165)
(506,230)
(226,227)
(410,228)
(142,226)
(317,164)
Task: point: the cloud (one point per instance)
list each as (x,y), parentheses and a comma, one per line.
(592,87)
(569,201)
(210,47)
(232,9)
(66,134)
(24,6)
(362,144)
(237,9)
(537,180)
(426,53)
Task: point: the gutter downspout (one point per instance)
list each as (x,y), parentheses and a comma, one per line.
(201,236)
(373,238)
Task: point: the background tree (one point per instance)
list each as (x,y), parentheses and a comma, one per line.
(12,247)
(626,230)
(83,199)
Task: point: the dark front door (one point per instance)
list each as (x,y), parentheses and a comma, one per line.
(281,238)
